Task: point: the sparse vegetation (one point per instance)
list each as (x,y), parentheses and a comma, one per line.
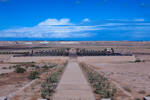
(49,66)
(10,67)
(137,99)
(142,92)
(15,66)
(2,74)
(138,60)
(126,71)
(4,67)
(49,85)
(32,65)
(100,84)
(148,95)
(127,89)
(33,75)
(22,63)
(20,70)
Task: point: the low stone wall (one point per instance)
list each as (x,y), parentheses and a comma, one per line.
(37,59)
(106,59)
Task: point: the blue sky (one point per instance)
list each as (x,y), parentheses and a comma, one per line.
(75,20)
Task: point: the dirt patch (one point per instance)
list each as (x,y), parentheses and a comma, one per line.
(32,91)
(37,59)
(12,81)
(108,87)
(133,77)
(6,68)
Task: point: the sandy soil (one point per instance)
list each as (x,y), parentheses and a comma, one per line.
(32,91)
(10,81)
(130,75)
(102,59)
(37,59)
(6,68)
(120,69)
(4,58)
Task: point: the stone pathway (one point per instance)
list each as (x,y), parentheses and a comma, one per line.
(73,85)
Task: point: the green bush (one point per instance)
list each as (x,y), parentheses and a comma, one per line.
(148,95)
(48,66)
(138,60)
(49,86)
(33,75)
(100,83)
(20,70)
(137,99)
(32,65)
(4,67)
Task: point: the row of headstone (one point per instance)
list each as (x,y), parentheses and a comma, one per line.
(79,52)
(95,52)
(51,52)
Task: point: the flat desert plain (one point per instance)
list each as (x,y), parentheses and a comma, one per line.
(133,77)
(131,74)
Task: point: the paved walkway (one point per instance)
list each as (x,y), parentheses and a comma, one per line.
(73,85)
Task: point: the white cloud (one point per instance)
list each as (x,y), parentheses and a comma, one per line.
(139,20)
(118,19)
(86,20)
(124,24)
(51,28)
(63,21)
(126,20)
(112,24)
(64,28)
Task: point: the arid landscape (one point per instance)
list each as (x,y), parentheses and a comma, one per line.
(74,49)
(26,65)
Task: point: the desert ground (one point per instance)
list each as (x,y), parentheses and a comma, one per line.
(17,86)
(133,77)
(130,74)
